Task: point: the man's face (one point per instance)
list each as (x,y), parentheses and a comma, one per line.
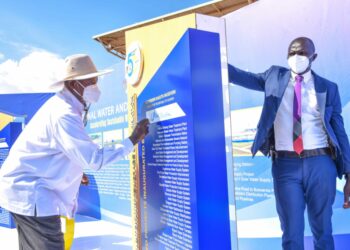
(302,47)
(80,85)
(301,54)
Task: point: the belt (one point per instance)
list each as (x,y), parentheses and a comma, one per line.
(304,154)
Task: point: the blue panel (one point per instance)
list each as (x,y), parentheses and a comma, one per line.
(184,199)
(209,139)
(19,105)
(24,105)
(8,136)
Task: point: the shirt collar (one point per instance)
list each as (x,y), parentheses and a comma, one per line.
(71,99)
(307,76)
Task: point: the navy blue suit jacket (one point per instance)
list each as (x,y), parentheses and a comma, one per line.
(274,82)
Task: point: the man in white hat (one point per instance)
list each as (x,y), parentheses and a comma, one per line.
(40,179)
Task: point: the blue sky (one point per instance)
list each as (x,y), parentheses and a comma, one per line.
(65,27)
(53,29)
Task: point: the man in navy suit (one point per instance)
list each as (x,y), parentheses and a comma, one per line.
(302,129)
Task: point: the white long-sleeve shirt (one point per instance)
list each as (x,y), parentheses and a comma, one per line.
(313,131)
(44,168)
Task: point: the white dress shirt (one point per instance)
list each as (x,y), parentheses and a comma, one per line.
(45,165)
(313,132)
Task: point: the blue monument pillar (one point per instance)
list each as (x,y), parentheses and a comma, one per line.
(183,173)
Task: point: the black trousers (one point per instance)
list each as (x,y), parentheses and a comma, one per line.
(39,233)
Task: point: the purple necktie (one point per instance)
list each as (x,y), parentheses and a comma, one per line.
(297,132)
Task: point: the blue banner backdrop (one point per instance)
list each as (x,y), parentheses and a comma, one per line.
(108,194)
(258,37)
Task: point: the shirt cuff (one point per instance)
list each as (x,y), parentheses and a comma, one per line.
(129,147)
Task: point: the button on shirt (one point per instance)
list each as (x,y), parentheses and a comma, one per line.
(44,168)
(313,132)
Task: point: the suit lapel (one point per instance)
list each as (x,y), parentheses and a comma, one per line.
(321,93)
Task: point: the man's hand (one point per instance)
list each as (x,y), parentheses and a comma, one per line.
(84,180)
(347,192)
(140,131)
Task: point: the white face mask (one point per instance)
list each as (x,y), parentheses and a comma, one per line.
(91,93)
(298,64)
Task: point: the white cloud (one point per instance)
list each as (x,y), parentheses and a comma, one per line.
(35,72)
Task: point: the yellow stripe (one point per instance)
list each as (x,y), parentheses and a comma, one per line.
(156,41)
(5,120)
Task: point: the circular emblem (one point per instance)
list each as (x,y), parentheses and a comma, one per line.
(133,64)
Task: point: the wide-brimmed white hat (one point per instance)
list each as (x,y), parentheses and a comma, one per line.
(79,67)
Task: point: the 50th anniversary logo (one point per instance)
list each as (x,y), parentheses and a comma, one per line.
(133,64)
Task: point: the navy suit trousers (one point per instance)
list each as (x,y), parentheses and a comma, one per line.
(301,183)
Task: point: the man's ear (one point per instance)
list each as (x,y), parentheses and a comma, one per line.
(313,57)
(68,83)
(72,85)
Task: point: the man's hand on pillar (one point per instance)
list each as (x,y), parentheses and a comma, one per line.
(140,131)
(84,180)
